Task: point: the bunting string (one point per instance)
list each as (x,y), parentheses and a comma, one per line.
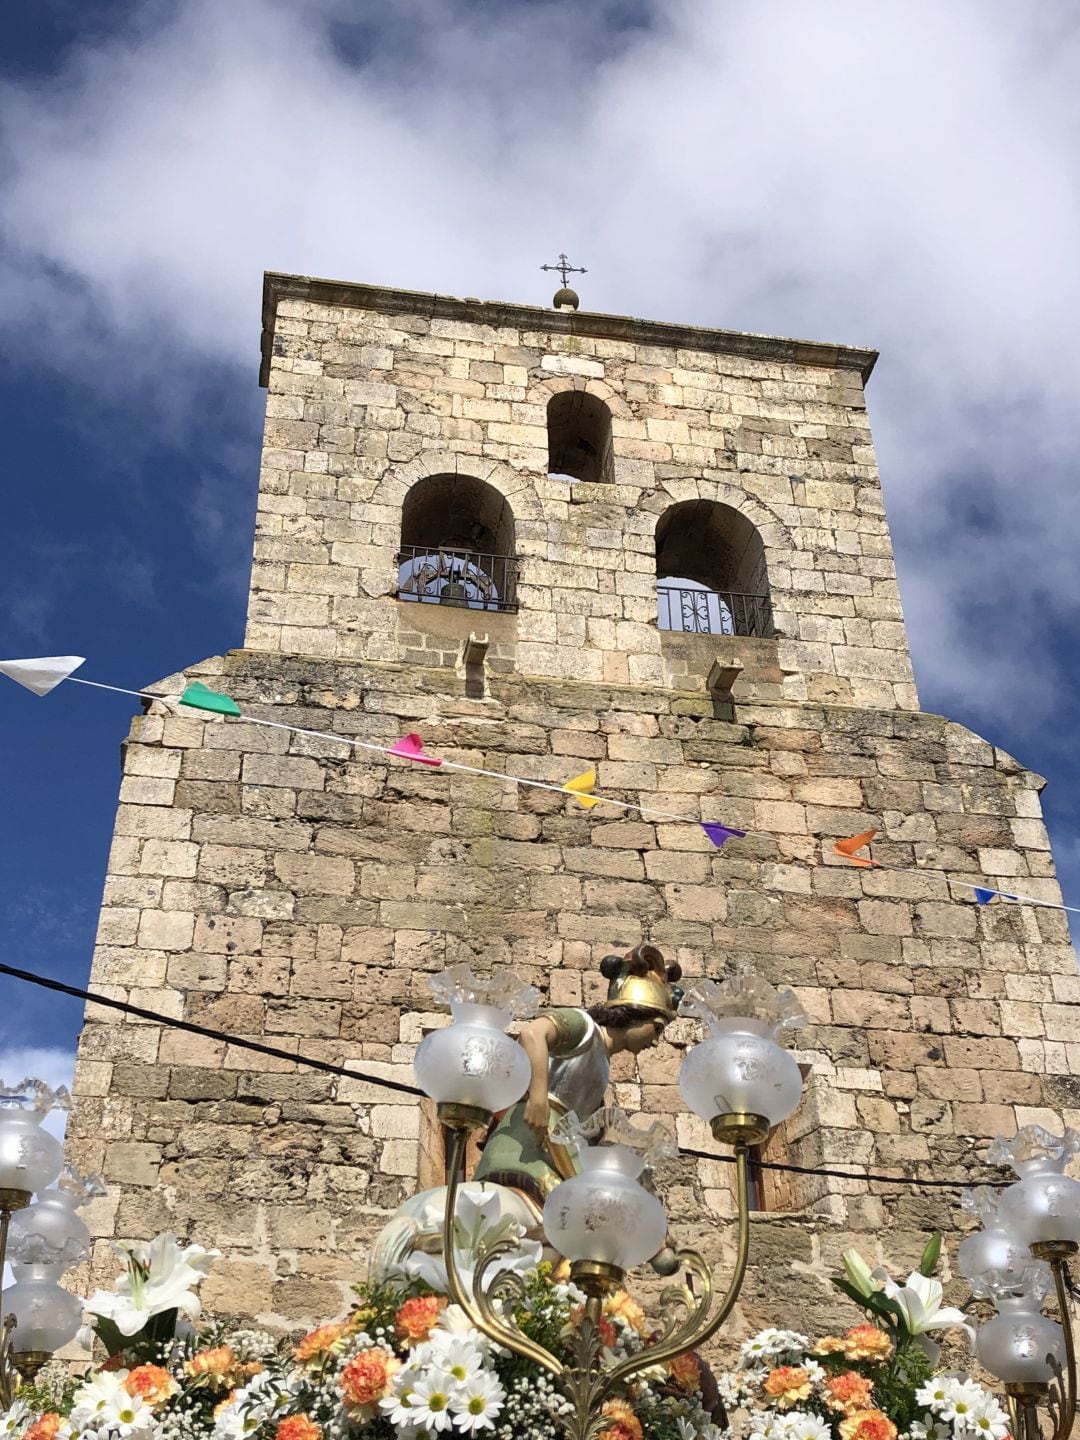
(43,674)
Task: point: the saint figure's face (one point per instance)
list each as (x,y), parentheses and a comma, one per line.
(643,1034)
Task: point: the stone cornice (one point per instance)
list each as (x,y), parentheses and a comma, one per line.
(560,322)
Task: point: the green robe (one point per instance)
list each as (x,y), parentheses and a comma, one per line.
(577,1080)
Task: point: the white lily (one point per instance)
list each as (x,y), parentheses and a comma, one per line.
(475,1222)
(859,1274)
(920,1304)
(157,1277)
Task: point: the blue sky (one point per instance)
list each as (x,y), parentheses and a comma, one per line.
(902,175)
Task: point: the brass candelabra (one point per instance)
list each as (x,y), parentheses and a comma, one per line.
(688,1310)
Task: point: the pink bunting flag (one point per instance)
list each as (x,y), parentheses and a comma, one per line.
(846,848)
(411,747)
(718,833)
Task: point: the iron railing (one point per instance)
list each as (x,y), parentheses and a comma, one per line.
(440,575)
(713,612)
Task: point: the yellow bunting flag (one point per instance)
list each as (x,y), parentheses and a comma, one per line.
(846,848)
(581,787)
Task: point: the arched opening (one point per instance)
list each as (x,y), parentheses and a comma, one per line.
(579,437)
(457,545)
(710,570)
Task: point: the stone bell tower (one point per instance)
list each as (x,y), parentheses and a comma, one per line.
(550,540)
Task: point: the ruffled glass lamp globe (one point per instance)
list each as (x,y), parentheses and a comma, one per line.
(473,1064)
(1043,1207)
(49,1234)
(46,1315)
(604,1217)
(1020,1345)
(992,1249)
(30,1158)
(740,1069)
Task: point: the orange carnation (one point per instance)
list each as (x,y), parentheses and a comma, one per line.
(298,1427)
(320,1343)
(867,1425)
(829,1345)
(45,1428)
(788,1385)
(867,1342)
(621,1306)
(212,1365)
(608,1334)
(366,1379)
(685,1370)
(622,1423)
(152,1382)
(848,1392)
(416,1319)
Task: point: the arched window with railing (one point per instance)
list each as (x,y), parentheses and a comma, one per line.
(710,570)
(457,545)
(579,437)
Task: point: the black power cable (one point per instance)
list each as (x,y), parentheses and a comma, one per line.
(78,993)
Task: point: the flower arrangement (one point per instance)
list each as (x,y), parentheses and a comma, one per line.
(406,1364)
(874,1382)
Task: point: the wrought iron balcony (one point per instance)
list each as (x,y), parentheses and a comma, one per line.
(437,575)
(713,612)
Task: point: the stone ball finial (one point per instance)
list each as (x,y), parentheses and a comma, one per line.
(566,299)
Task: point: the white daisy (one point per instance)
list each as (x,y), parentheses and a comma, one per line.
(987,1419)
(429,1401)
(478,1403)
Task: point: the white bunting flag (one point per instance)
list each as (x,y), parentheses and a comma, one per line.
(43,673)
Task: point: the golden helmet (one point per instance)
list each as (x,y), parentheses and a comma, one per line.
(641,978)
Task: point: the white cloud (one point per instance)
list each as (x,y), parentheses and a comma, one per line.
(901,175)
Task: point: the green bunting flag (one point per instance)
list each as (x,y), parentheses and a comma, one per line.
(200,697)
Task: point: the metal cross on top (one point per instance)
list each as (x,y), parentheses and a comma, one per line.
(565,268)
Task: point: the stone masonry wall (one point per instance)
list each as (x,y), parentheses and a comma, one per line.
(276,886)
(371,391)
(286,888)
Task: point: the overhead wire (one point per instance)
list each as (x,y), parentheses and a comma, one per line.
(312,1062)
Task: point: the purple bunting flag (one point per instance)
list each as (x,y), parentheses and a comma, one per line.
(718,833)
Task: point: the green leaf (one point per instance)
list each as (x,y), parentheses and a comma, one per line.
(109,1334)
(931,1255)
(862,1301)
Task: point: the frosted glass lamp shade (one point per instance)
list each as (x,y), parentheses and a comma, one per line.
(604,1214)
(1042,1206)
(46,1315)
(30,1158)
(48,1233)
(741,1069)
(1014,1345)
(473,1061)
(993,1250)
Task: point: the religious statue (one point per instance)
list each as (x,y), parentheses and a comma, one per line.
(569,1050)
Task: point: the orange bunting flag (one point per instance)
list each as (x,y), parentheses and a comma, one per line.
(846,848)
(581,787)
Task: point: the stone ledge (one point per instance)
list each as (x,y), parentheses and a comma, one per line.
(503,313)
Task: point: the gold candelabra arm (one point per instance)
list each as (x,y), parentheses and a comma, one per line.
(1064,1407)
(698,1327)
(1014,1415)
(481,1311)
(9,1376)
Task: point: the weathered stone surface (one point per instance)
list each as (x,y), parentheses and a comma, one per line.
(293,890)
